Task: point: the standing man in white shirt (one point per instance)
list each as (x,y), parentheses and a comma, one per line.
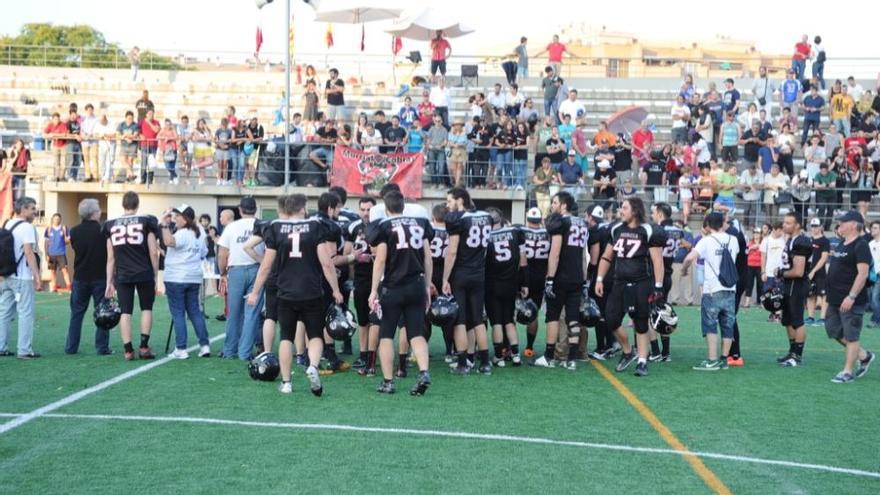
(90,144)
(772,248)
(762,90)
(719,294)
(17,288)
(238,271)
(681,114)
(439,97)
(572,107)
(497,99)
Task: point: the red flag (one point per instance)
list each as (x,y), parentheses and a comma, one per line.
(396,44)
(363,173)
(362,37)
(329,35)
(259,41)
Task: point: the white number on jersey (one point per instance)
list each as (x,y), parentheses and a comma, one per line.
(626,248)
(537,249)
(295,251)
(578,236)
(502,251)
(438,247)
(416,238)
(127,234)
(478,237)
(672,246)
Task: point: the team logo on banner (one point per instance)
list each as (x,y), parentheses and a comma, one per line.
(364,173)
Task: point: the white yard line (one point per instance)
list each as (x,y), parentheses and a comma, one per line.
(453,434)
(36,413)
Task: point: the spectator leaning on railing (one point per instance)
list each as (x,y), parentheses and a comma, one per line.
(55,131)
(90,144)
(74,146)
(149,129)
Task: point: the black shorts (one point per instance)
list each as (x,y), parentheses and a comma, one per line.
(438,65)
(362,303)
(568,296)
(536,292)
(501,304)
(272,302)
(820,281)
(470,294)
(57,262)
(310,313)
(629,298)
(146,292)
(406,301)
(794,301)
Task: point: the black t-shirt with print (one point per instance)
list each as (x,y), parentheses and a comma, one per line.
(335,99)
(843,263)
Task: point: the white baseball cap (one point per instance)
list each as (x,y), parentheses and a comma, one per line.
(534,214)
(815,222)
(597,212)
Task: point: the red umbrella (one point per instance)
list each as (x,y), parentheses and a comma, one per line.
(626,121)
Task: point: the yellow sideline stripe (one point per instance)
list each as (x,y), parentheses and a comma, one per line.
(710,478)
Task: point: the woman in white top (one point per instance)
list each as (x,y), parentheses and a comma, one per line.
(750,116)
(185,250)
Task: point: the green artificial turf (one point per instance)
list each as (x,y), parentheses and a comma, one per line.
(759,411)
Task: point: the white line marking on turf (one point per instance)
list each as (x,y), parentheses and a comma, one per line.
(459,434)
(36,413)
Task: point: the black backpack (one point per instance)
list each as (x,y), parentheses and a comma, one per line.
(8,261)
(727,274)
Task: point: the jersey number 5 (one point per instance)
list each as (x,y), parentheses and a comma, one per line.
(127,234)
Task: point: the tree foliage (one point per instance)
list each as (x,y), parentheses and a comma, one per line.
(80,45)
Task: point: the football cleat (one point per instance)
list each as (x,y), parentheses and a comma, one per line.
(460,370)
(571,365)
(498,362)
(516,360)
(486,369)
(422,384)
(791,362)
(641,369)
(655,357)
(386,387)
(129,356)
(314,381)
(843,378)
(784,358)
(865,364)
(146,353)
(625,361)
(285,388)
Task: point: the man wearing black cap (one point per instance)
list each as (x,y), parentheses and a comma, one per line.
(238,271)
(846,296)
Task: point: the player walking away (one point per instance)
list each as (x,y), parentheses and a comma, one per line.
(794,272)
(636,248)
(132,265)
(537,250)
(439,249)
(606,345)
(258,237)
(507,277)
(344,218)
(302,248)
(661,214)
(847,297)
(566,280)
(818,273)
(362,275)
(328,212)
(403,268)
(464,276)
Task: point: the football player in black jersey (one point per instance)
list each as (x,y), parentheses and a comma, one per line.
(636,249)
(537,250)
(402,277)
(303,250)
(794,272)
(661,214)
(132,265)
(344,218)
(439,248)
(565,284)
(328,212)
(818,273)
(599,236)
(362,274)
(271,307)
(464,275)
(507,277)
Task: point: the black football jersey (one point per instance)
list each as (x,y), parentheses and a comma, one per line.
(537,250)
(473,229)
(439,248)
(405,238)
(128,235)
(261,229)
(798,246)
(357,235)
(632,250)
(820,245)
(296,242)
(502,258)
(674,235)
(575,235)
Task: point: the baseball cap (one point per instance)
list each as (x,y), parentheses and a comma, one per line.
(597,212)
(248,204)
(185,210)
(815,222)
(572,153)
(851,216)
(533,215)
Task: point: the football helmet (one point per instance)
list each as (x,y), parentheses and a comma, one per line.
(526,311)
(590,313)
(444,311)
(265,367)
(340,322)
(663,319)
(107,314)
(772,299)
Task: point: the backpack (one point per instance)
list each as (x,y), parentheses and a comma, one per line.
(8,261)
(727,274)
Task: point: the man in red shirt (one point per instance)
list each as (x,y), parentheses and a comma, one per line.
(554,52)
(149,130)
(440,51)
(642,144)
(54,132)
(426,110)
(802,52)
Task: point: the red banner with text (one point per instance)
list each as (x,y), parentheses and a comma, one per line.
(365,173)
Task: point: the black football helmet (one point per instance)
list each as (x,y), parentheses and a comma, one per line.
(663,319)
(772,299)
(107,314)
(590,313)
(444,311)
(265,367)
(526,311)
(340,322)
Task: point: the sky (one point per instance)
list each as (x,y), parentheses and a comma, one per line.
(197,27)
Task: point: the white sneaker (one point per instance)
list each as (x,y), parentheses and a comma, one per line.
(285,388)
(542,362)
(205,351)
(571,366)
(180,354)
(314,381)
